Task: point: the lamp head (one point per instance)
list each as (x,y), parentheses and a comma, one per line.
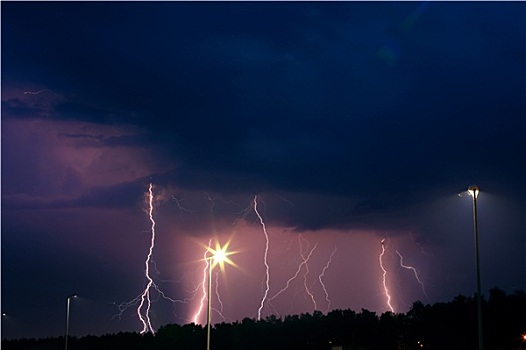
(473,191)
(220,256)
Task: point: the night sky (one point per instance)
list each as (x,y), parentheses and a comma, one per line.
(348,123)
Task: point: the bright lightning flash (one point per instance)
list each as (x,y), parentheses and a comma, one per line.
(323,284)
(414,271)
(386,291)
(267,267)
(145,296)
(304,262)
(144,299)
(203,285)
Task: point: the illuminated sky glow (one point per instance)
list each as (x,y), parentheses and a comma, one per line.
(349,122)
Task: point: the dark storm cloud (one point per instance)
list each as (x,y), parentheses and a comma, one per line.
(312,103)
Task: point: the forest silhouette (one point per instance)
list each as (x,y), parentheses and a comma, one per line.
(443,325)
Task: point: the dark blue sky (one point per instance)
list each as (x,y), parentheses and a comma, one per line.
(352,122)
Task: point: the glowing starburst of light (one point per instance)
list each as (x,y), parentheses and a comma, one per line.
(220,255)
(414,271)
(267,267)
(386,291)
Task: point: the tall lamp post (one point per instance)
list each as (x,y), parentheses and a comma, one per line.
(219,256)
(67,320)
(4,318)
(473,191)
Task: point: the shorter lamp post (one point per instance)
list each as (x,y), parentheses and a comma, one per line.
(219,256)
(67,320)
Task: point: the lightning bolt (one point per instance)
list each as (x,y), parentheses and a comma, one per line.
(414,271)
(145,296)
(203,284)
(220,311)
(204,296)
(178,202)
(323,284)
(144,299)
(386,291)
(267,267)
(304,262)
(285,200)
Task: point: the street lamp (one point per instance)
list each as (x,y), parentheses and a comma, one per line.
(219,256)
(473,191)
(67,320)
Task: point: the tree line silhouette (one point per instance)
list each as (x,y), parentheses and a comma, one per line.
(443,325)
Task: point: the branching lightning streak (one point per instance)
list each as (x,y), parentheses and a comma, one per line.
(323,284)
(179,205)
(414,271)
(304,262)
(145,296)
(415,241)
(267,267)
(384,277)
(285,200)
(220,311)
(203,284)
(144,299)
(213,200)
